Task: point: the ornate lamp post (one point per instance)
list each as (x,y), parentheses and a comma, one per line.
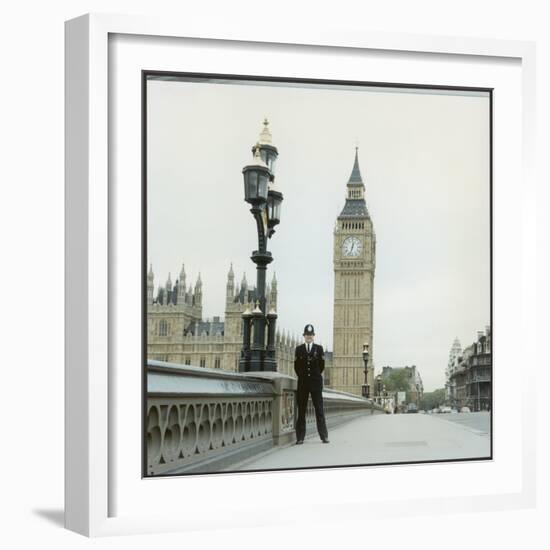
(365,389)
(256,354)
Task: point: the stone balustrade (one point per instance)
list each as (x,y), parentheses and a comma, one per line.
(204,420)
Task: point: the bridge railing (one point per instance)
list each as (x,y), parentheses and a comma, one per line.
(205,420)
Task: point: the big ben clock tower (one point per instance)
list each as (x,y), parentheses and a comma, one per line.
(354,264)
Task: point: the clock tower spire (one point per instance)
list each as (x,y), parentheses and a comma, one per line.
(354,265)
(355,191)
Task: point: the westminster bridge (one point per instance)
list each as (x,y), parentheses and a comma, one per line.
(207,420)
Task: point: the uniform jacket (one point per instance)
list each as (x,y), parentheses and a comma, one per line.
(308,367)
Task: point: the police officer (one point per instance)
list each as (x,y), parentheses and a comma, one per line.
(309,363)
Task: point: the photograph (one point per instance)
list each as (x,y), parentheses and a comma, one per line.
(316,274)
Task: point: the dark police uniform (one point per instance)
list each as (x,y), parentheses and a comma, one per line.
(308,368)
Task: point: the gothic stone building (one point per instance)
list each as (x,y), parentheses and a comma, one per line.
(176,331)
(354,265)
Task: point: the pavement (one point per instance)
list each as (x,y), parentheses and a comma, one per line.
(480,421)
(385,439)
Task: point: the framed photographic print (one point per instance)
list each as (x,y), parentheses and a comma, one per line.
(302,264)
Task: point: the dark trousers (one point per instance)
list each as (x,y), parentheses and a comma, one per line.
(317,398)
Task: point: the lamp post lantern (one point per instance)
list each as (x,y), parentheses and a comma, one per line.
(365,390)
(265,202)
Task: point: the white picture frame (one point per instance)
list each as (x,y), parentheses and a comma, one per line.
(99,499)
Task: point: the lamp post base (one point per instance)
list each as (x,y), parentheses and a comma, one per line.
(270,364)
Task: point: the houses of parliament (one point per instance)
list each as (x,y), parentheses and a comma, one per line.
(177,332)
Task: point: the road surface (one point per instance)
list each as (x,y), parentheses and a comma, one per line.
(382,439)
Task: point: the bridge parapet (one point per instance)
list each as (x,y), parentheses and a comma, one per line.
(203,420)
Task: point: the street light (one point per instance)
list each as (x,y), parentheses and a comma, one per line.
(365,390)
(379,386)
(274,200)
(245,352)
(265,204)
(256,175)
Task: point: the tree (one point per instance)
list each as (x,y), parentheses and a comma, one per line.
(397,380)
(433,399)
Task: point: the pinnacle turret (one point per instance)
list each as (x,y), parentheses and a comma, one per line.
(150,285)
(198,291)
(230,287)
(182,285)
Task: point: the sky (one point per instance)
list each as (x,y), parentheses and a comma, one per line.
(424,158)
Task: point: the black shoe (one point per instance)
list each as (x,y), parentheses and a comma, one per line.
(325,440)
(300,442)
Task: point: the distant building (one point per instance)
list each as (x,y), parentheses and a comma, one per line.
(415,389)
(454,354)
(471,374)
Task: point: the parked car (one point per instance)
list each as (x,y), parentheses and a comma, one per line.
(435,410)
(454,411)
(412,408)
(465,410)
(445,409)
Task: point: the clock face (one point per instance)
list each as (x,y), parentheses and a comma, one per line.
(352,246)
